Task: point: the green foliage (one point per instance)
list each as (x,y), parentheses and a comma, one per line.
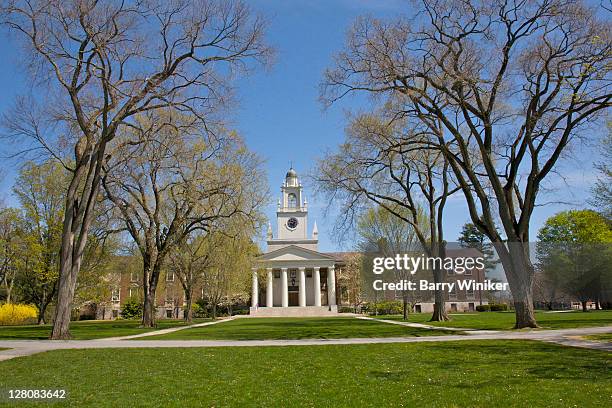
(389,307)
(131,309)
(492,307)
(471,237)
(575,252)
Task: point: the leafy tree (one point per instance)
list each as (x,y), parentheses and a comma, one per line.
(12,249)
(131,309)
(472,237)
(381,231)
(574,252)
(40,190)
(350,278)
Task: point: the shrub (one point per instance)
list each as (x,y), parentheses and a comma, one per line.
(502,307)
(131,309)
(390,307)
(14,314)
(483,308)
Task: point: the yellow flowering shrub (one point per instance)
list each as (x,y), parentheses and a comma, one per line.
(13,314)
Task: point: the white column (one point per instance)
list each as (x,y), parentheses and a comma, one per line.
(255,295)
(269,289)
(331,286)
(316,277)
(284,288)
(302,287)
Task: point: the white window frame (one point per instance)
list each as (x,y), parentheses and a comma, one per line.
(115,295)
(168,275)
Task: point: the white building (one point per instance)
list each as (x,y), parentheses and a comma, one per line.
(298,280)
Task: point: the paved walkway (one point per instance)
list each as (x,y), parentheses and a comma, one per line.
(569,337)
(166,331)
(418,325)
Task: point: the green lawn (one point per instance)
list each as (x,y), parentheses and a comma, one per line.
(85,330)
(295,328)
(505,320)
(453,374)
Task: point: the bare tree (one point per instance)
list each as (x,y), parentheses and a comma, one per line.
(511,83)
(171,184)
(99,64)
(374,166)
(188,261)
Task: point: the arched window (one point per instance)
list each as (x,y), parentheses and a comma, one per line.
(292,200)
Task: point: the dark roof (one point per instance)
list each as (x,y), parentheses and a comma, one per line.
(291,173)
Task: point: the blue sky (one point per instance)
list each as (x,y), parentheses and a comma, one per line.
(279,114)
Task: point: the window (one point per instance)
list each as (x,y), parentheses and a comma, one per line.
(453,293)
(169,276)
(133,292)
(134,277)
(309,274)
(169,298)
(291,200)
(468,272)
(115,296)
(169,313)
(470,292)
(277,274)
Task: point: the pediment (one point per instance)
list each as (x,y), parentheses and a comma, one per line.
(294,253)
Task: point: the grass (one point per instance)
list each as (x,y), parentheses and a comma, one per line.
(442,374)
(295,328)
(86,330)
(506,320)
(600,337)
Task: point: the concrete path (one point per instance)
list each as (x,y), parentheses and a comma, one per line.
(166,331)
(569,337)
(417,325)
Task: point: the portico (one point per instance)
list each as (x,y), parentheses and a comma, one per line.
(292,278)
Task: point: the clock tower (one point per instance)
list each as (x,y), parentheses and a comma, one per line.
(292,217)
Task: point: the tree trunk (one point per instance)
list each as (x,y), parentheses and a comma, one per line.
(188,309)
(405,307)
(148,310)
(150,279)
(214,310)
(80,200)
(520,273)
(584,306)
(63,308)
(439,313)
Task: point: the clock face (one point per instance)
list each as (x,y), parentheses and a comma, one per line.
(292,223)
